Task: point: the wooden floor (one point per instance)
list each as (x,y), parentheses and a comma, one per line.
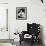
(6,40)
(27,44)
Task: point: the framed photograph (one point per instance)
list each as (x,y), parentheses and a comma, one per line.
(21,13)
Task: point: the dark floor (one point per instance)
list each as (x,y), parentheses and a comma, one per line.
(29,44)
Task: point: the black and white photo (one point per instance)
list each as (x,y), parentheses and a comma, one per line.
(21,13)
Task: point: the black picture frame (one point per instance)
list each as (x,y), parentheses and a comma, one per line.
(21,13)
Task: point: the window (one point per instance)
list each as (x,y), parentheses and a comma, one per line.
(3,17)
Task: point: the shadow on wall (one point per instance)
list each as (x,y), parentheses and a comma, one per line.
(41,34)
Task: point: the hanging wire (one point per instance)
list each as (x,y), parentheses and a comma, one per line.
(42,1)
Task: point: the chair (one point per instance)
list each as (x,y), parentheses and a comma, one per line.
(33,30)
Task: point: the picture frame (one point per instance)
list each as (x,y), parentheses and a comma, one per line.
(21,13)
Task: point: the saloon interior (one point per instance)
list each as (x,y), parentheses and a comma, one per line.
(23,31)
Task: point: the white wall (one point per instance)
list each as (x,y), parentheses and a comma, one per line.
(35,13)
(3,1)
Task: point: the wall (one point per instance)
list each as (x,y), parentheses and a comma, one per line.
(3,1)
(35,13)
